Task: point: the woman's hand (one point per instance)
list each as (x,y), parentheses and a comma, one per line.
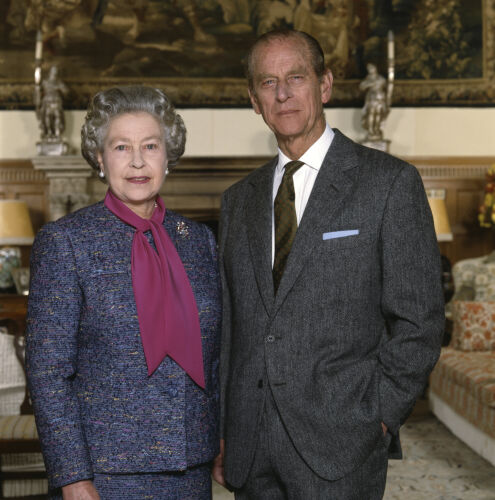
(81,490)
(217,469)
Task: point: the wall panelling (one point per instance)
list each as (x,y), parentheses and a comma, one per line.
(194,189)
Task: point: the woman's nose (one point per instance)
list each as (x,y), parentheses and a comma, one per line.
(137,159)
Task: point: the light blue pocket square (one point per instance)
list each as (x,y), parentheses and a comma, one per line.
(340,234)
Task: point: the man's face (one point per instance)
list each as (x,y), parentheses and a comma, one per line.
(287,92)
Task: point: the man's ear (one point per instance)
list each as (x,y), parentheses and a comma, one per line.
(326,83)
(254,102)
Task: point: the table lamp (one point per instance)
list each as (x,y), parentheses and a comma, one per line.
(15,229)
(436,199)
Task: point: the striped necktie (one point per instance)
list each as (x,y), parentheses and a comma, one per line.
(285,221)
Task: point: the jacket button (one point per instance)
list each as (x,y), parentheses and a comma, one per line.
(260,384)
(270,338)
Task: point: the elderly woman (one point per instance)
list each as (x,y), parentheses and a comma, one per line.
(124,321)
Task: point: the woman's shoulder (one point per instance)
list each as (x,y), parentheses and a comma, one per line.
(82,221)
(83,215)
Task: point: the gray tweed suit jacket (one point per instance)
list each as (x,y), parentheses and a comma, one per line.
(356,325)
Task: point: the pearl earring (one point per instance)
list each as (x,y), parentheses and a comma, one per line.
(166,171)
(101,174)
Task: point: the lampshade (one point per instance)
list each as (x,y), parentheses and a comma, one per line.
(436,199)
(15,224)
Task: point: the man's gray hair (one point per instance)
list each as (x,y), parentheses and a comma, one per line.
(116,101)
(315,51)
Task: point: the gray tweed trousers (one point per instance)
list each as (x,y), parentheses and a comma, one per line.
(279,473)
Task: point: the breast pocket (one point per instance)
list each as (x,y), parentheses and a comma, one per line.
(348,262)
(347,242)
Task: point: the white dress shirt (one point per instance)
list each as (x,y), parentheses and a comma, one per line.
(304,178)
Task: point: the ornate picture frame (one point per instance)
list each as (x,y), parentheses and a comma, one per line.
(445,49)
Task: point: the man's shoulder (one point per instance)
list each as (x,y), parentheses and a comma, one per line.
(257,175)
(374,161)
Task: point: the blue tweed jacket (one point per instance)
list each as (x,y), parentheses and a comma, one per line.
(96,409)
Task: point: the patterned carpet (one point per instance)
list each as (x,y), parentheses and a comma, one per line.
(437,466)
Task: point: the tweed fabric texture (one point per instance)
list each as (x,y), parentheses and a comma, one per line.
(474,325)
(167,311)
(356,325)
(96,408)
(466,382)
(278,468)
(192,484)
(285,219)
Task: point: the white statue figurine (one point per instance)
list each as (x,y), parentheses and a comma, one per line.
(50,114)
(375,108)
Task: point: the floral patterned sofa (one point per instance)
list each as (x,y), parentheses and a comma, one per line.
(462,385)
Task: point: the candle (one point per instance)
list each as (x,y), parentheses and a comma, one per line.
(38,53)
(37,75)
(390,45)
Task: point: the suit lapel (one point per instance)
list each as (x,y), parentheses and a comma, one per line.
(258,217)
(332,186)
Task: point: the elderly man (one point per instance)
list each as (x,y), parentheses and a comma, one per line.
(333,308)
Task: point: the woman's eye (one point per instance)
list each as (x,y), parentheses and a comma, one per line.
(151,146)
(121,147)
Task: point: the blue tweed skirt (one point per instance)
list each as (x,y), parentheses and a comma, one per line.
(192,484)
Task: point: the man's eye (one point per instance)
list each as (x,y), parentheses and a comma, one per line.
(296,77)
(267,83)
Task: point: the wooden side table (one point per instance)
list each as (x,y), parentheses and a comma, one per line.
(14,306)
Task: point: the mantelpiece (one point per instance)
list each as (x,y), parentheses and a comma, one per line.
(54,186)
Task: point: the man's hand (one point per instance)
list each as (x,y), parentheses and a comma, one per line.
(385,429)
(81,490)
(217,470)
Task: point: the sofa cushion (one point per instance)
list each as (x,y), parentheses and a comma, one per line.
(18,427)
(463,403)
(475,371)
(477,278)
(474,326)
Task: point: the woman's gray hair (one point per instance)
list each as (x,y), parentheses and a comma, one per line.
(116,101)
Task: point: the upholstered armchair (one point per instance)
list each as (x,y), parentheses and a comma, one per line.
(22,474)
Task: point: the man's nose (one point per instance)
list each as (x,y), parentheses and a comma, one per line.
(283,91)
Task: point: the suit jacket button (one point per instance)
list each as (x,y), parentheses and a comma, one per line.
(270,338)
(260,384)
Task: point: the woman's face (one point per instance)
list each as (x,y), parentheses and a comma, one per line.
(134,160)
